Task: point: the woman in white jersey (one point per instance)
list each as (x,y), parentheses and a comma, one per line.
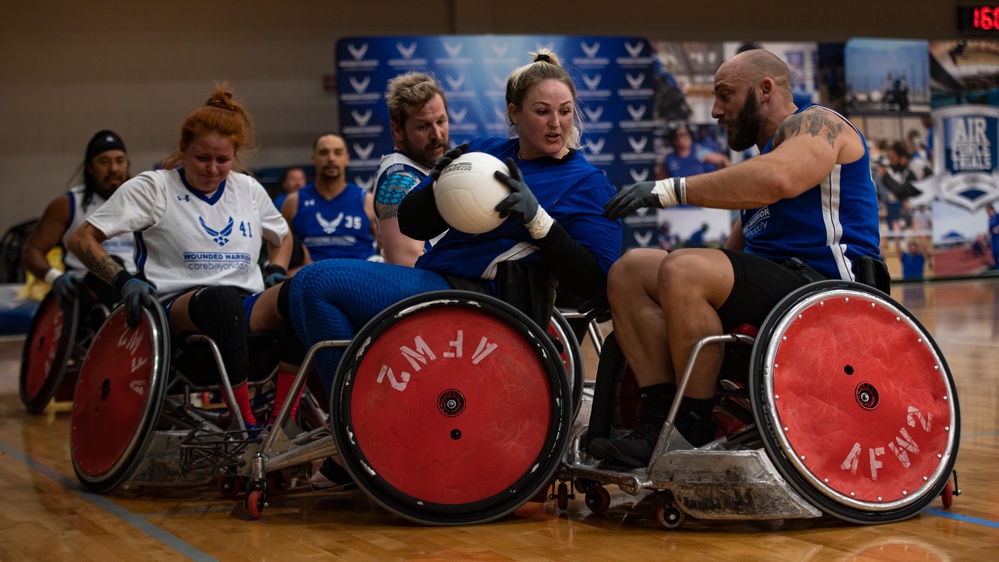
(199,227)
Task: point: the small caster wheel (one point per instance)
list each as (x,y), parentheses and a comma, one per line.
(255,503)
(229,486)
(597,499)
(670,516)
(562,497)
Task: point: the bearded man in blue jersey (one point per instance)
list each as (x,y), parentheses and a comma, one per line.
(808,209)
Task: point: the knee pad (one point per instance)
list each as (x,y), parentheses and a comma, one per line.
(218,312)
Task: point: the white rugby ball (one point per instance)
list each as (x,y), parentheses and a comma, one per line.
(467,192)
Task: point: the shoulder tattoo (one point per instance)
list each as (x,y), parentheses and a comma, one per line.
(814,123)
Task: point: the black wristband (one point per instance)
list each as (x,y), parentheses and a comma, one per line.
(275,268)
(120,279)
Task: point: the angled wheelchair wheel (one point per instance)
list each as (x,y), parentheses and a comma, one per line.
(118,398)
(572,357)
(855,403)
(451,408)
(47,351)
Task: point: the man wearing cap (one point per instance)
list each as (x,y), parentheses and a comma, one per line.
(105,168)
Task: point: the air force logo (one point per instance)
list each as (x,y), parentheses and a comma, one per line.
(357,53)
(329,227)
(965,158)
(220,237)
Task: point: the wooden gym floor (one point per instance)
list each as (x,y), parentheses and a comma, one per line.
(44,515)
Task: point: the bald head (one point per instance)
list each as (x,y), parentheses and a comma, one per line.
(755,65)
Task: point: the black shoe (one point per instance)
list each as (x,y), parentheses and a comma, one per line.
(598,448)
(634,449)
(331,477)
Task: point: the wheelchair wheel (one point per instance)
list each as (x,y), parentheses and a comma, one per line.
(855,403)
(46,352)
(118,399)
(451,408)
(572,357)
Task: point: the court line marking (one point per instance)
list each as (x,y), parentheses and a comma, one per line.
(960,517)
(138,522)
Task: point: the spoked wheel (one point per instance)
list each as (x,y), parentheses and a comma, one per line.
(46,352)
(118,399)
(451,408)
(572,357)
(855,402)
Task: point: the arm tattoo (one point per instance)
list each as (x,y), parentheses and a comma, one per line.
(104,267)
(812,123)
(388,211)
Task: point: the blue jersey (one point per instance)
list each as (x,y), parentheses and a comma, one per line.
(913,265)
(571,190)
(334,228)
(828,226)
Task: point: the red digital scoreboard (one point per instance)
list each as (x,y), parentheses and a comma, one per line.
(978,19)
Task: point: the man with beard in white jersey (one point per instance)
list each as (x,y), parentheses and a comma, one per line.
(418,117)
(105,168)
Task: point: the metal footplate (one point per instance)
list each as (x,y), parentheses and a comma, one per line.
(728,485)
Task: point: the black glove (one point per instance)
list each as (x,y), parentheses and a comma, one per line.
(597,309)
(448,157)
(632,198)
(274,274)
(135,294)
(521,203)
(66,289)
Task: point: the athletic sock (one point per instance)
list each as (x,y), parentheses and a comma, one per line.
(242,395)
(284,384)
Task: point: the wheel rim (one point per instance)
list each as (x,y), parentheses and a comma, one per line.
(46,352)
(118,399)
(427,415)
(855,368)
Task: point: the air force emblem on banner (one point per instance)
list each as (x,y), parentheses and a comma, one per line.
(964,157)
(220,237)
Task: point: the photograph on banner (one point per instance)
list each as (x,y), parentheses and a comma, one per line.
(888,99)
(964,193)
(690,142)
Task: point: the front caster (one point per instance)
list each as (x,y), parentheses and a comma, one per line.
(597,499)
(256,499)
(670,516)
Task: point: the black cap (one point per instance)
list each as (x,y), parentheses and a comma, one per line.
(103,141)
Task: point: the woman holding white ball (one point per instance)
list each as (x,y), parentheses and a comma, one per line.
(558,221)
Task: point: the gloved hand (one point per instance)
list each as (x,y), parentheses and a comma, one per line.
(522,204)
(448,157)
(658,195)
(66,289)
(274,274)
(135,294)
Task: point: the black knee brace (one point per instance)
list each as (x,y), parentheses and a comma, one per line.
(218,312)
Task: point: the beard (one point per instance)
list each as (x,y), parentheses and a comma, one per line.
(745,130)
(423,156)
